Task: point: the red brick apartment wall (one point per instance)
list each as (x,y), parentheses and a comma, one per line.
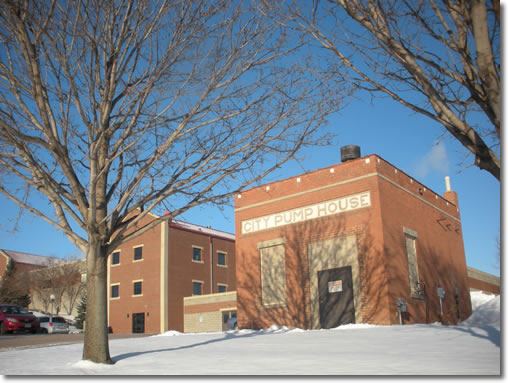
(380,243)
(148,271)
(182,270)
(439,249)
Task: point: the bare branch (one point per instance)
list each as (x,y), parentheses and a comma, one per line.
(439,58)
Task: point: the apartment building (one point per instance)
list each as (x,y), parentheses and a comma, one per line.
(149,276)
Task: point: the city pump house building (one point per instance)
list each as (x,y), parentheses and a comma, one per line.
(357,242)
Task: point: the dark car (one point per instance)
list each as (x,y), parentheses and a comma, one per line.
(17,318)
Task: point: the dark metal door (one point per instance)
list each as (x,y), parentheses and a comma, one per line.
(336,305)
(138,323)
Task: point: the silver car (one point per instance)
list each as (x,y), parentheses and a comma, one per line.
(53,325)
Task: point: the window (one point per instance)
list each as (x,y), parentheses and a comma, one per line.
(115,291)
(138,253)
(221,258)
(83,277)
(197,288)
(196,254)
(222,288)
(410,237)
(138,288)
(116,258)
(273,276)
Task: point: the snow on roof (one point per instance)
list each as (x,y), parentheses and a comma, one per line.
(202,229)
(32,259)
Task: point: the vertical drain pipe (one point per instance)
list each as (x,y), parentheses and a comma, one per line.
(211,263)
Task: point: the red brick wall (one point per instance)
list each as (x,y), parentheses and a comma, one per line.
(298,236)
(380,243)
(182,270)
(209,307)
(147,270)
(476,284)
(439,248)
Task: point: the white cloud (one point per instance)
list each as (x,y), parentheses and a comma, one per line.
(435,160)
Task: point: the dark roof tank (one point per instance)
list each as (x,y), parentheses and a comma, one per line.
(349,152)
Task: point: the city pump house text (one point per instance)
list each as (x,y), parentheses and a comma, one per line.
(335,206)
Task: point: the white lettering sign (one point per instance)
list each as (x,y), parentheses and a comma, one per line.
(323,209)
(335,286)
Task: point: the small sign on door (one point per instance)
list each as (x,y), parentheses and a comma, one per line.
(334,286)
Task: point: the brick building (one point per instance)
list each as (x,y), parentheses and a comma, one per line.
(65,282)
(482,281)
(204,313)
(345,244)
(149,276)
(24,261)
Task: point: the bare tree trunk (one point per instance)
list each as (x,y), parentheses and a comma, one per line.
(96,347)
(112,110)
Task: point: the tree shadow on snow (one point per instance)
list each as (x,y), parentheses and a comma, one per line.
(228,336)
(485,331)
(493,334)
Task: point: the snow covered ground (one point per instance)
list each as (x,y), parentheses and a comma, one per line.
(472,348)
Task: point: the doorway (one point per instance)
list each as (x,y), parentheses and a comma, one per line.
(336,304)
(138,323)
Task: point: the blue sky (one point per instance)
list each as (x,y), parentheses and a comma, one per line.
(412,143)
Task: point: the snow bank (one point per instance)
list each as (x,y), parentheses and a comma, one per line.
(486,311)
(170,333)
(472,348)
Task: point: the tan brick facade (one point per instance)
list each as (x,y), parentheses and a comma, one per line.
(359,215)
(205,313)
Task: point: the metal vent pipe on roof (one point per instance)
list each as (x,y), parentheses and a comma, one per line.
(447,182)
(349,152)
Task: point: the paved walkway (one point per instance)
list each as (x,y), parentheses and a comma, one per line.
(20,341)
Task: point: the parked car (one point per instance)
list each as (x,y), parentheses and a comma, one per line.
(232,323)
(17,318)
(53,325)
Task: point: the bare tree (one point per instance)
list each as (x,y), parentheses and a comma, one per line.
(110,109)
(440,58)
(61,280)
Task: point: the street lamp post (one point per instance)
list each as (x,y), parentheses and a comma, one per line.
(52,299)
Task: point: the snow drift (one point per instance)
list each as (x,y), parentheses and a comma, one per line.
(471,348)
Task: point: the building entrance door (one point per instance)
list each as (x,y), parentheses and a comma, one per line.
(138,323)
(336,305)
